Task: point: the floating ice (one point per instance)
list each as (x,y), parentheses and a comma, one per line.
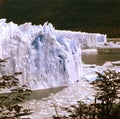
(47,57)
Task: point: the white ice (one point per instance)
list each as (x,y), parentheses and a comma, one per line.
(47,57)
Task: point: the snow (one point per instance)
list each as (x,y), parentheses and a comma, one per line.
(47,57)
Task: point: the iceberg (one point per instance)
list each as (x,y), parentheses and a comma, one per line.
(46,56)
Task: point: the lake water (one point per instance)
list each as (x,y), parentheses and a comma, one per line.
(101,57)
(44,93)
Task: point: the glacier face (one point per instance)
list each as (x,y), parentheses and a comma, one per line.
(47,57)
(87,40)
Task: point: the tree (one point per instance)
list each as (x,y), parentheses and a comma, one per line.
(10,102)
(107,100)
(108,87)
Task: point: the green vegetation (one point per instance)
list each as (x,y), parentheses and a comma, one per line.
(10,107)
(107,100)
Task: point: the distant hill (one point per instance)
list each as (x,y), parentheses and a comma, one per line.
(85,15)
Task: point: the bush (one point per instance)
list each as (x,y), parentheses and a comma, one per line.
(9,102)
(107,100)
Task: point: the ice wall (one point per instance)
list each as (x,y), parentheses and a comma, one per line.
(87,40)
(47,57)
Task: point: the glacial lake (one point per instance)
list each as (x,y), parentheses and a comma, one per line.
(44,93)
(101,57)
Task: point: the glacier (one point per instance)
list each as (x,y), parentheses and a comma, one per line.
(87,40)
(47,57)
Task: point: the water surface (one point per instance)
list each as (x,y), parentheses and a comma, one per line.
(101,57)
(44,93)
